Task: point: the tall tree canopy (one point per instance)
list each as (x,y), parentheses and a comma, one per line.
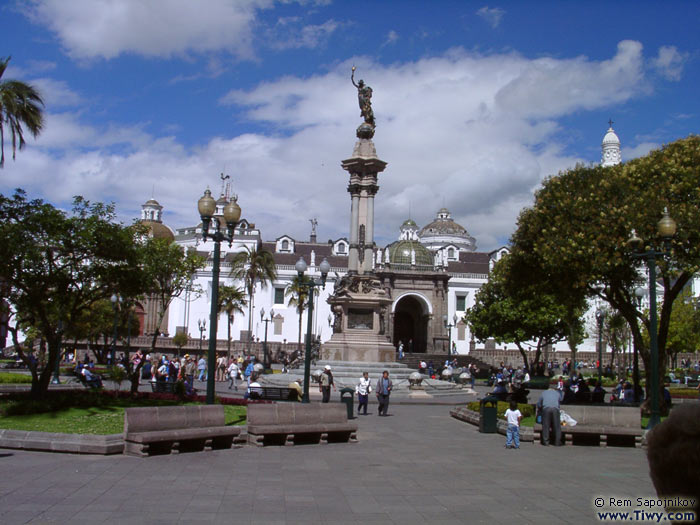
(514,306)
(578,229)
(20,107)
(253,266)
(57,265)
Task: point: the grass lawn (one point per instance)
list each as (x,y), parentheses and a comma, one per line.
(12,378)
(95,420)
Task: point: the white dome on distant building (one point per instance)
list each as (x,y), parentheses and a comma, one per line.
(611,148)
(444,231)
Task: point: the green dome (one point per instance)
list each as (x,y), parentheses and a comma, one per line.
(400,253)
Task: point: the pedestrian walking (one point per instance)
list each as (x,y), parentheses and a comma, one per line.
(363,389)
(202,367)
(233,375)
(384,386)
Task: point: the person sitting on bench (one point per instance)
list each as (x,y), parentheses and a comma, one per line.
(92,380)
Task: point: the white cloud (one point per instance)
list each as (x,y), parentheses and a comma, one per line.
(492,15)
(56,93)
(639,150)
(91,29)
(669,62)
(391,38)
(475,132)
(288,35)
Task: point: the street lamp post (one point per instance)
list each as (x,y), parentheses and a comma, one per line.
(232,212)
(666,228)
(202,323)
(600,317)
(266,320)
(300,267)
(116,302)
(449,327)
(57,369)
(639,293)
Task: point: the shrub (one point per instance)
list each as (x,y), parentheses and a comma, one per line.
(117,374)
(525,409)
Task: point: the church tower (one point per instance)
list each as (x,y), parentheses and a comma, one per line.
(611,148)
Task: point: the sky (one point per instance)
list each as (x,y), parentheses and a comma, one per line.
(475,103)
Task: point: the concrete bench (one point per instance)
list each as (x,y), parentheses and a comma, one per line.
(605,421)
(292,423)
(273,393)
(191,428)
(166,387)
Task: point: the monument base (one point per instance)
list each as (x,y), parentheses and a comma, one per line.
(358,346)
(360,306)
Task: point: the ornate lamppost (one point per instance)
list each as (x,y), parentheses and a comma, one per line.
(116,303)
(449,327)
(202,323)
(57,369)
(266,320)
(600,318)
(232,212)
(666,228)
(638,293)
(300,267)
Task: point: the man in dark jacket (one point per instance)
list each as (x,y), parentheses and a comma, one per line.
(383,390)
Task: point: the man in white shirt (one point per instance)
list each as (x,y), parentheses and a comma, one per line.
(233,376)
(363,389)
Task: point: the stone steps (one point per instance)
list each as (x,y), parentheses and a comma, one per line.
(348,374)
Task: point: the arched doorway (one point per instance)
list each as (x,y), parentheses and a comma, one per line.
(411,323)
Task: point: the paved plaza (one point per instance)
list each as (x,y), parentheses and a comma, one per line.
(417,466)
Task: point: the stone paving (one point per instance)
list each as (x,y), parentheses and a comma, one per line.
(417,466)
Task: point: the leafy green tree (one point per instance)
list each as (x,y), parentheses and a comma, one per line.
(512,309)
(168,271)
(298,293)
(231,300)
(20,105)
(253,266)
(581,220)
(684,326)
(58,265)
(179,340)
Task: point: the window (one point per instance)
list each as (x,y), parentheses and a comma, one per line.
(285,245)
(279,295)
(461,303)
(451,253)
(277,323)
(341,248)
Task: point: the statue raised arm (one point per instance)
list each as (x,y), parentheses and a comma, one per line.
(364,98)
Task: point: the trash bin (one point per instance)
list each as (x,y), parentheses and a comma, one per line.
(488,415)
(347,396)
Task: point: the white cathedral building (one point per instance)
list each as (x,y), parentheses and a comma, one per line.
(433,273)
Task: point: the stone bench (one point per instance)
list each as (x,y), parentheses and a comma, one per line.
(600,420)
(191,428)
(273,393)
(293,423)
(166,387)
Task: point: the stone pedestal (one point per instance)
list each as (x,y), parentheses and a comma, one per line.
(360,307)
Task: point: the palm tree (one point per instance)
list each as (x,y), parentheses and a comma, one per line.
(231,300)
(19,105)
(298,293)
(253,266)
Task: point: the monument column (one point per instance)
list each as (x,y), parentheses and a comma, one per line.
(369,233)
(359,301)
(353,255)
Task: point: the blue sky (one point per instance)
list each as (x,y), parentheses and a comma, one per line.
(475,103)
